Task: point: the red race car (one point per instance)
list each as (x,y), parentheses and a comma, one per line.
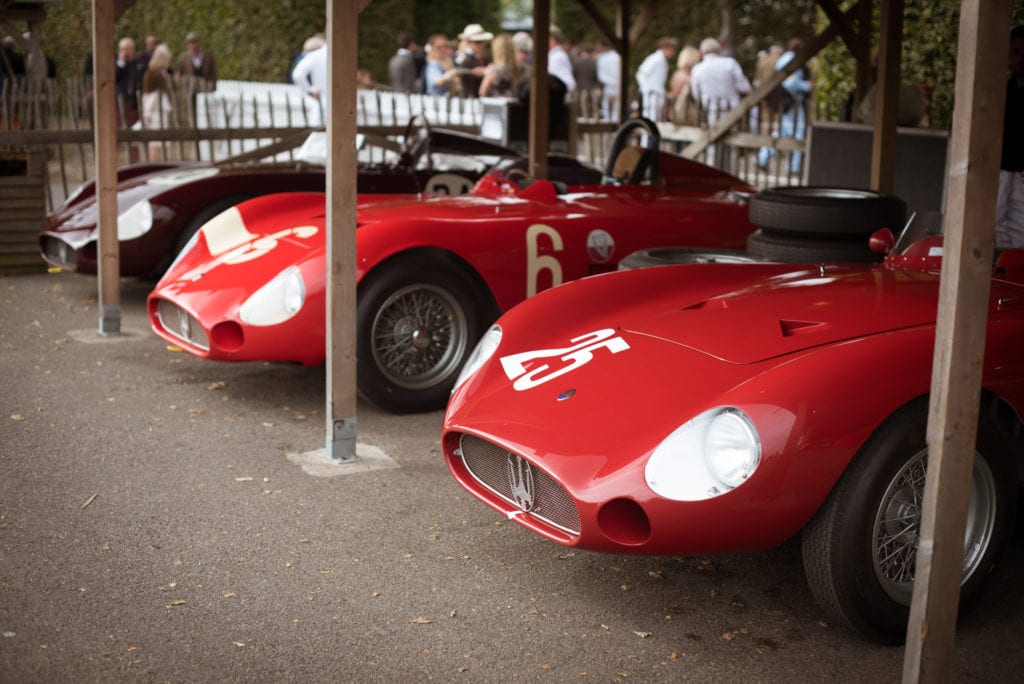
(726,407)
(433,272)
(162,205)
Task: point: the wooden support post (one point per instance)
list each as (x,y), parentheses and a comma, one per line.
(887,96)
(105,142)
(540,94)
(342,52)
(959,336)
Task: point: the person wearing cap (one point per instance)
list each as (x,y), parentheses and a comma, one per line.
(470,59)
(196,63)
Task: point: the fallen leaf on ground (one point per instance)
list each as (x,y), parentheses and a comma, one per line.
(643,635)
(17,416)
(176,602)
(216,385)
(174,348)
(243,479)
(420,621)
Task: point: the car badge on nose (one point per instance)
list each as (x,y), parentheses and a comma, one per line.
(567,394)
(520,480)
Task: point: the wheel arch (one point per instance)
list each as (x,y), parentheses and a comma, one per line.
(1007,417)
(446,259)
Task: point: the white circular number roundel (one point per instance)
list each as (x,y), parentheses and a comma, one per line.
(600,246)
(448,184)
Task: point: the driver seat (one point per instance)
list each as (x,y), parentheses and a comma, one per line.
(626,163)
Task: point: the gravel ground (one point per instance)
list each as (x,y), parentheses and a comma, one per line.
(161,519)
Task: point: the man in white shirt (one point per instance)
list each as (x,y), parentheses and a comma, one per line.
(559,62)
(311,74)
(609,68)
(717,81)
(652,76)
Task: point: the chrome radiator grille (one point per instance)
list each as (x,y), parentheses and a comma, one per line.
(522,485)
(179,323)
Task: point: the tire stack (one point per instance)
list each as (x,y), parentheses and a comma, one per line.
(818,224)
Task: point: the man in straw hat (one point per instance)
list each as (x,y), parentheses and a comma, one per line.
(470,60)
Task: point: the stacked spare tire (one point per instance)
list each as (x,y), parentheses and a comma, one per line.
(820,224)
(798,225)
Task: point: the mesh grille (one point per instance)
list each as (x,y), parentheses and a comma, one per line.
(489,464)
(177,322)
(60,251)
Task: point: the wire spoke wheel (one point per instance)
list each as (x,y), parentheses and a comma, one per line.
(419,336)
(897,527)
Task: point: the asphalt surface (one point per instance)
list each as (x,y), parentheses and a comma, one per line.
(167,519)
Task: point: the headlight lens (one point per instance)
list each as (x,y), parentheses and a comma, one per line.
(706,457)
(277,301)
(135,222)
(484,350)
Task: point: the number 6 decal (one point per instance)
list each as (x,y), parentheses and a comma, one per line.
(580,353)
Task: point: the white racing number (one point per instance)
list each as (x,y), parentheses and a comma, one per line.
(537,262)
(580,353)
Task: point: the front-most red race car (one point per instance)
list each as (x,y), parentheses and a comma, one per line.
(725,407)
(433,272)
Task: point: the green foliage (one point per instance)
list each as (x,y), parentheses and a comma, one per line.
(257,40)
(930,31)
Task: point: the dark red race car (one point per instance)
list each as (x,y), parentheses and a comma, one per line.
(161,205)
(433,272)
(725,407)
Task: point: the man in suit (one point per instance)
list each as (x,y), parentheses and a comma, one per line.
(196,63)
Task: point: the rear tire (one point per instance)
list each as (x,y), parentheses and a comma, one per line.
(770,247)
(860,549)
(418,320)
(823,211)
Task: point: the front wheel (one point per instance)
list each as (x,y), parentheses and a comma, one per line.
(860,549)
(417,322)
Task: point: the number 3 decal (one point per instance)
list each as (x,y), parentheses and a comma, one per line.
(580,353)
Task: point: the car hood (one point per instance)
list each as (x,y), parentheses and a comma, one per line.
(751,317)
(135,183)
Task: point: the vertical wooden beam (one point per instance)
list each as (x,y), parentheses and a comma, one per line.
(342,56)
(540,94)
(959,336)
(105,143)
(865,31)
(887,96)
(625,46)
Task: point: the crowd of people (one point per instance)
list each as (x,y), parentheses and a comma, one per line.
(147,82)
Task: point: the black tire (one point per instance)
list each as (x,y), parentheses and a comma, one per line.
(859,550)
(820,211)
(666,256)
(807,250)
(417,322)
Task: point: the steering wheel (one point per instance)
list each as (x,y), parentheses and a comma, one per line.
(639,165)
(416,143)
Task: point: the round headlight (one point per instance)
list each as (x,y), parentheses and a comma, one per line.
(484,350)
(277,301)
(731,447)
(135,222)
(705,457)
